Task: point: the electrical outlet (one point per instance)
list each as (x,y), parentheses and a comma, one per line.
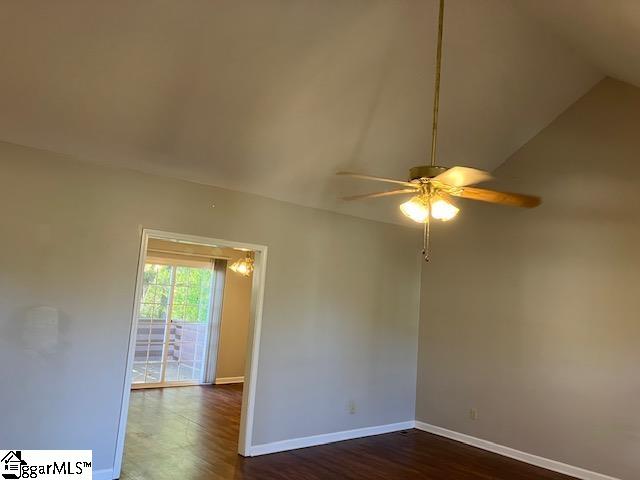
(351,407)
(473,414)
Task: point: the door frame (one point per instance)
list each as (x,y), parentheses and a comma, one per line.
(253,340)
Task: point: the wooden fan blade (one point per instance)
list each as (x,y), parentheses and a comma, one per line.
(381,194)
(503,198)
(463,176)
(378,179)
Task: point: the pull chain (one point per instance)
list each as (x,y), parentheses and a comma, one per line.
(426,239)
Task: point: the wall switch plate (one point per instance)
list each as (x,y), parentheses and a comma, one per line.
(473,414)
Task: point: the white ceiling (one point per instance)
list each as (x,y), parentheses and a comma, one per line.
(274,96)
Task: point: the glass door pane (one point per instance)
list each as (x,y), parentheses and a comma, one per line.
(189,328)
(152,323)
(172,337)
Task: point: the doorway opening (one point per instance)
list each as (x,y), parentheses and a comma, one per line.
(196,325)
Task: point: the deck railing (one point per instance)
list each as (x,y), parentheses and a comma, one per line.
(185,340)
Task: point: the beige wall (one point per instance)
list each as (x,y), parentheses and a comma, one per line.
(533,317)
(234,329)
(339,323)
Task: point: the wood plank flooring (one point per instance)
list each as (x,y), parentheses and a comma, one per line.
(191,433)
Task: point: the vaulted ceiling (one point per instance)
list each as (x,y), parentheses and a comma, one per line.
(605,33)
(274,96)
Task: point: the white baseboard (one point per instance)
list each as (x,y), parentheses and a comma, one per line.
(104,474)
(226,380)
(314,440)
(559,467)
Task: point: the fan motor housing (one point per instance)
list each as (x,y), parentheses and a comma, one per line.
(426,171)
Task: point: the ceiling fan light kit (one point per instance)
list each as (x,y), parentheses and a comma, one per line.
(425,206)
(417,209)
(433,185)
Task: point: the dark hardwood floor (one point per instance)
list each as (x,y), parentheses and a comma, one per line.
(191,433)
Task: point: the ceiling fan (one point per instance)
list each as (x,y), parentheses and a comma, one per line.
(432,186)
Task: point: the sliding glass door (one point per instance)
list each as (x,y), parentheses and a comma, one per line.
(172,339)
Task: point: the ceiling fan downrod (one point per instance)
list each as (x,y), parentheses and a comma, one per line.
(436,89)
(426,239)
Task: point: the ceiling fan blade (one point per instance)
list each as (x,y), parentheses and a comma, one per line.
(381,194)
(378,179)
(463,176)
(503,198)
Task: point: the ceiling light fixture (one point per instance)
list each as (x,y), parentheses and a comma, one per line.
(243,266)
(433,185)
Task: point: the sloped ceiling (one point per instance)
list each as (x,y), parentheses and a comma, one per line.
(606,33)
(274,96)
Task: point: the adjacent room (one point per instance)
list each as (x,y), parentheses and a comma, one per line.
(320,239)
(192,316)
(191,323)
